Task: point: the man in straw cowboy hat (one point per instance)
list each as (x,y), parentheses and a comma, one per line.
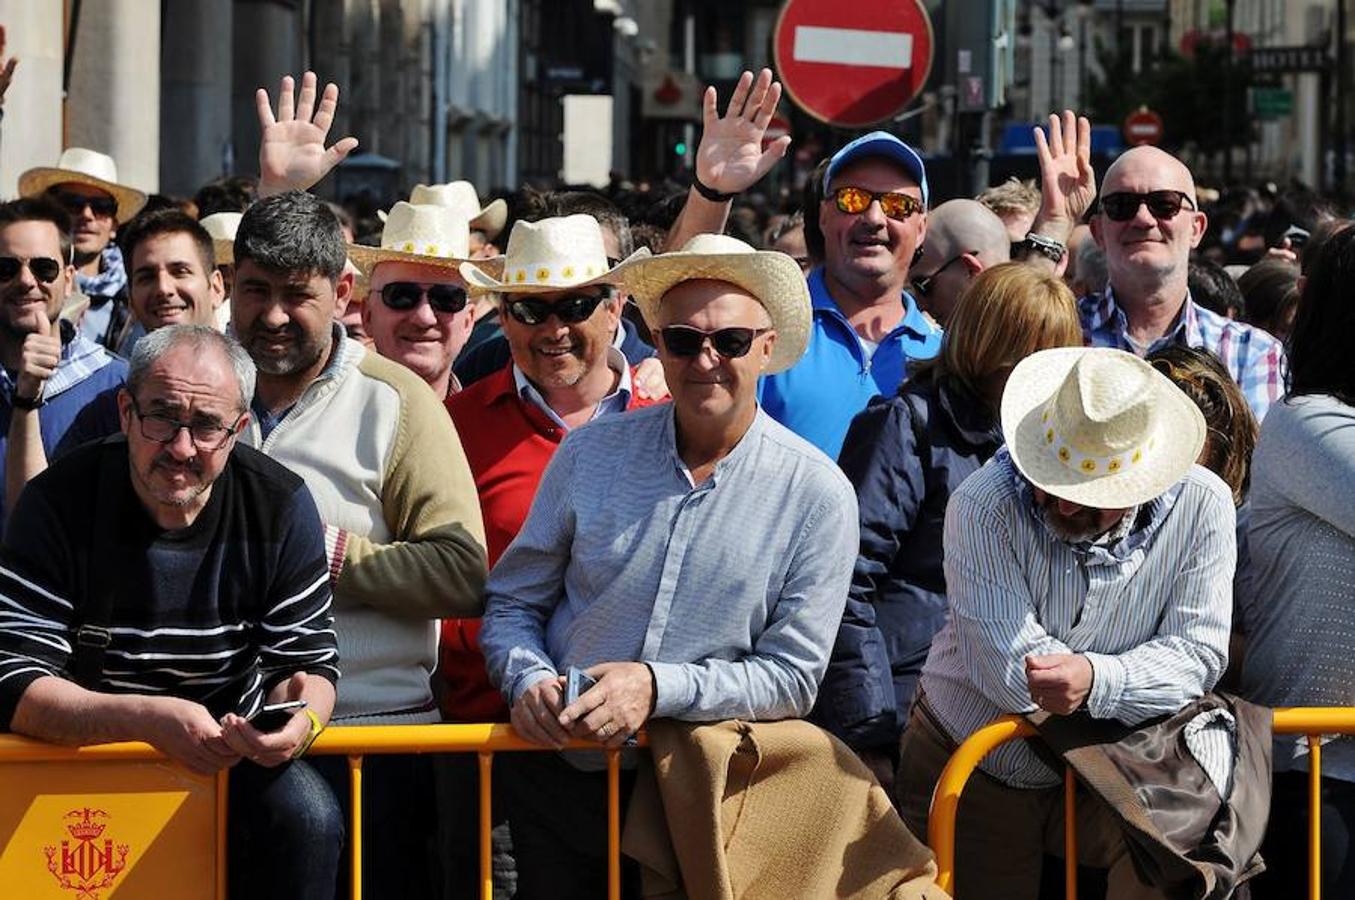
(1089,568)
(85,183)
(417,311)
(616,574)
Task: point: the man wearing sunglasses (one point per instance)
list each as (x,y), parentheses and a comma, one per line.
(417,311)
(704,584)
(964,237)
(1148,221)
(52,373)
(85,184)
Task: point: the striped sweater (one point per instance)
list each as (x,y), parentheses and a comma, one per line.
(217,612)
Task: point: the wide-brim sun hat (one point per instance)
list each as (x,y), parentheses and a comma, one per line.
(1099,427)
(553,254)
(461,195)
(421,233)
(78,165)
(222,227)
(773,278)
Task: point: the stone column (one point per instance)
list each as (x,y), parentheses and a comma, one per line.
(195,95)
(266,44)
(114,99)
(30,134)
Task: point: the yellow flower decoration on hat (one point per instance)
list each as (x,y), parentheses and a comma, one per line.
(567,272)
(409,246)
(1113,465)
(1064,454)
(1088,465)
(1049,436)
(542,274)
(521,276)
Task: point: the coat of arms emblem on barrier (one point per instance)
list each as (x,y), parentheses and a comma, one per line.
(88,862)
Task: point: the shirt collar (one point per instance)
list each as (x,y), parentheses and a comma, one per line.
(913,319)
(1186,328)
(622,394)
(742,448)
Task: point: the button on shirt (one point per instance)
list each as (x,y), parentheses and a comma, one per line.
(1150,608)
(1253,357)
(731,590)
(616,401)
(835,379)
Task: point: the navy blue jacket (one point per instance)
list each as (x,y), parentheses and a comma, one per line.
(905,455)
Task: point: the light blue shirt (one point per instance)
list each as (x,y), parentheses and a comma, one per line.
(1150,608)
(731,590)
(818,396)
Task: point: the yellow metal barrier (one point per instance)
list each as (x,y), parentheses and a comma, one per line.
(150,775)
(1310,721)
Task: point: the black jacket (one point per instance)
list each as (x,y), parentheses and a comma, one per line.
(904,455)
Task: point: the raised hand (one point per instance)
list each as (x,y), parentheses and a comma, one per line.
(7,66)
(730,158)
(1067,180)
(292,153)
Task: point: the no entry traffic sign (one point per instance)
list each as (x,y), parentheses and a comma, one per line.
(1143,126)
(853,64)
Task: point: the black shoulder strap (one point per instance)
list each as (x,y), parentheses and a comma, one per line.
(92,636)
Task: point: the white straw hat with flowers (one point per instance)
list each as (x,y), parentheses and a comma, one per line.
(553,254)
(1099,427)
(461,196)
(77,165)
(773,278)
(424,234)
(222,227)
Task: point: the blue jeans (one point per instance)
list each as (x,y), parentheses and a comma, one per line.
(286,830)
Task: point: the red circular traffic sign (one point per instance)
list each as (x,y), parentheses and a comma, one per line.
(1143,126)
(853,64)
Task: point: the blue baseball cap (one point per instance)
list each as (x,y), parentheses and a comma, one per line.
(884,144)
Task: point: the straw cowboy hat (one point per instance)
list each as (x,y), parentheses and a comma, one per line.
(80,166)
(461,196)
(222,227)
(424,234)
(1099,427)
(553,254)
(773,278)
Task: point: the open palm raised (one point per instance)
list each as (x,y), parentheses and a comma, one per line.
(730,157)
(292,152)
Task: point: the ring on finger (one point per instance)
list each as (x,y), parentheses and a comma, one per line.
(607,729)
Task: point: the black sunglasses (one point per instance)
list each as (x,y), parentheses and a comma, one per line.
(731,343)
(75,203)
(44,268)
(569,310)
(923,283)
(1121,207)
(402,296)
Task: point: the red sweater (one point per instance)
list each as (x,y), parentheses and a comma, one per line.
(508,442)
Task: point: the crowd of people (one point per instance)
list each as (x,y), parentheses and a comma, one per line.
(829,485)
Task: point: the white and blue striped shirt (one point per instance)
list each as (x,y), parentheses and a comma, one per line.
(1150,610)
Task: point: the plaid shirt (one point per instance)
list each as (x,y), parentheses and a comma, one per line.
(1253,357)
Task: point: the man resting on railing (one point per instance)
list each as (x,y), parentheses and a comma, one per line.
(1089,569)
(694,558)
(192,593)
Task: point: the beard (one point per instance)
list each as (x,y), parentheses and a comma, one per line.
(305,349)
(1085,525)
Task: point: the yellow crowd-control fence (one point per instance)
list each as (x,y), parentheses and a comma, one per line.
(83,823)
(1313,722)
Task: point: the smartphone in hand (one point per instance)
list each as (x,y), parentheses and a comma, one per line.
(275,715)
(577,681)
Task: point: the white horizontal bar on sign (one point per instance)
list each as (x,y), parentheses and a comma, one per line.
(853,47)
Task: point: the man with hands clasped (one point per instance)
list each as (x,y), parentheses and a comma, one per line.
(704,583)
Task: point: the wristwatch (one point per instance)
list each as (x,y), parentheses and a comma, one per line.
(28,403)
(1045,246)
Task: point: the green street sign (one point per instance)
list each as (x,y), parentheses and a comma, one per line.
(1272,102)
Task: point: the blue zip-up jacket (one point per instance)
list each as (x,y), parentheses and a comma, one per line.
(905,456)
(818,396)
(86,375)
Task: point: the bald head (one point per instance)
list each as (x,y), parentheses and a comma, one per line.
(964,237)
(1144,168)
(966,226)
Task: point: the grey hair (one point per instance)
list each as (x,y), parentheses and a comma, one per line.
(159,342)
(292,232)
